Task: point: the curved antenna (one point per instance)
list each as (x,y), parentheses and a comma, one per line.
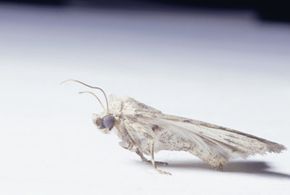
(89,92)
(92,87)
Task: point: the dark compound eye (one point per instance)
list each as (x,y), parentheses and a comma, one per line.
(108,121)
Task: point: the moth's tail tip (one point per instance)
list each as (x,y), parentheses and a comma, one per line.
(283,147)
(277,148)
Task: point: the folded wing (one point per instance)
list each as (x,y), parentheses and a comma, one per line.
(212,143)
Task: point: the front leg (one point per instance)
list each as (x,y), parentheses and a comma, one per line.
(128,146)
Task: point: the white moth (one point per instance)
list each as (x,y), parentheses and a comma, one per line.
(146,130)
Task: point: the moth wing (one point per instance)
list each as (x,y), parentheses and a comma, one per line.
(212,143)
(175,136)
(130,106)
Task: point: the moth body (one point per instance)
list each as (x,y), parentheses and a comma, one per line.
(139,125)
(146,130)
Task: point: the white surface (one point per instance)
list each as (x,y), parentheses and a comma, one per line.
(226,69)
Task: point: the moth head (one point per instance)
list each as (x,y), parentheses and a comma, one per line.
(104,123)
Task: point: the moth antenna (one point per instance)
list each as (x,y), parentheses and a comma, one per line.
(92,87)
(89,92)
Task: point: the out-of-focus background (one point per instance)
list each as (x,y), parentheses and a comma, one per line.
(277,10)
(225,62)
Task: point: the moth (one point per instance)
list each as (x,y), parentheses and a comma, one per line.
(145,130)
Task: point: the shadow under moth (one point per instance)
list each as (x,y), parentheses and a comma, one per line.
(146,130)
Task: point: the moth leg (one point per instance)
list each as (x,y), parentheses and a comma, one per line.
(132,144)
(127,146)
(160,163)
(143,158)
(220,167)
(153,161)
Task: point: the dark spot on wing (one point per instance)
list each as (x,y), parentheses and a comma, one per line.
(156,128)
(138,115)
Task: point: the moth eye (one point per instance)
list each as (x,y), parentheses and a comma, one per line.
(108,121)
